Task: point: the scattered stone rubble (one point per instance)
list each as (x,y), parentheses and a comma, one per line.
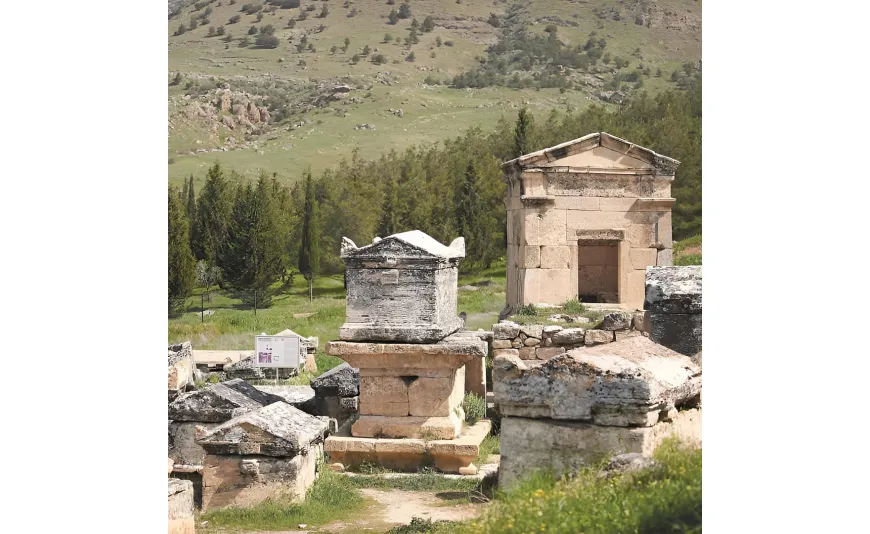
(542,342)
(590,403)
(673,300)
(401,332)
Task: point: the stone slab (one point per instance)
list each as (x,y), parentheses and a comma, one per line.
(181,367)
(377,426)
(181,513)
(565,447)
(451,352)
(449,456)
(297,396)
(436,397)
(631,382)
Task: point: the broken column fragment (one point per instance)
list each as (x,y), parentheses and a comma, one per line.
(673,299)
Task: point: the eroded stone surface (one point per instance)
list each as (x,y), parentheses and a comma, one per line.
(220,402)
(626,383)
(298,396)
(673,289)
(181,518)
(342,380)
(678,331)
(275,430)
(616,321)
(451,352)
(401,288)
(181,368)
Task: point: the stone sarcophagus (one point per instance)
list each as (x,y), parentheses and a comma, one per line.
(401,288)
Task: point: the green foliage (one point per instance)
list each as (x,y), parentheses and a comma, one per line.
(523,133)
(215,204)
(252,255)
(428,24)
(411,57)
(220,30)
(528,309)
(419,525)
(309,252)
(182,265)
(388,38)
(405,10)
(490,445)
(366,50)
(573,307)
(474,407)
(393,17)
(379,59)
(688,259)
(424,481)
(181,30)
(324,12)
(266,40)
(355,59)
(332,497)
(666,498)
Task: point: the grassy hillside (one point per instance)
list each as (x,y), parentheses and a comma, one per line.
(313,124)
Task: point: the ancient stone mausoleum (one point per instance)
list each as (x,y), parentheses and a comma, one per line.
(585,219)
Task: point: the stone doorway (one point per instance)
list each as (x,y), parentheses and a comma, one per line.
(598,271)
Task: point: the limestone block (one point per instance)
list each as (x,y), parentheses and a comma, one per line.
(530,256)
(548,286)
(569,336)
(517,343)
(544,226)
(556,257)
(673,289)
(375,426)
(501,344)
(181,518)
(181,367)
(532,330)
(383,389)
(641,258)
(640,235)
(678,331)
(666,237)
(598,255)
(563,202)
(617,204)
(592,220)
(566,447)
(392,409)
(515,220)
(182,442)
(298,396)
(665,257)
(527,353)
(626,383)
(545,353)
(434,397)
(219,402)
(549,330)
(451,352)
(616,321)
(512,259)
(633,292)
(475,377)
(506,352)
(597,337)
(641,321)
(505,330)
(532,342)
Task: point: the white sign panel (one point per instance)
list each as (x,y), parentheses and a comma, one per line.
(277,351)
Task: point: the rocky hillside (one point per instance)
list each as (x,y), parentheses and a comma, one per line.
(280,85)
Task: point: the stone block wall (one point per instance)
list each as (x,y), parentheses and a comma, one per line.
(543,342)
(674,303)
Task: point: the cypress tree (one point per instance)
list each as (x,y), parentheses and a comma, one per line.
(181,262)
(213,212)
(522,133)
(309,252)
(389,223)
(190,208)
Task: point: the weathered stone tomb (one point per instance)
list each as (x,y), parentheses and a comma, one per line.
(401,333)
(592,403)
(267,452)
(584,220)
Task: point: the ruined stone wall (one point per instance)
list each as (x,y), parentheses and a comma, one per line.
(543,233)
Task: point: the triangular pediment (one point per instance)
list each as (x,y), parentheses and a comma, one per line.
(406,245)
(279,424)
(596,151)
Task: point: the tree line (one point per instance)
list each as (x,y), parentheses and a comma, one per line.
(255,234)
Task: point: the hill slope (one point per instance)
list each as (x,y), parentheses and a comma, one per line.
(305,103)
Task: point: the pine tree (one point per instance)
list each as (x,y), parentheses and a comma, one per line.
(522,133)
(389,223)
(181,262)
(214,208)
(254,249)
(309,253)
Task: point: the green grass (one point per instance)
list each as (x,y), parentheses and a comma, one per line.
(688,259)
(331,498)
(424,481)
(474,407)
(489,446)
(663,499)
(533,315)
(688,251)
(683,244)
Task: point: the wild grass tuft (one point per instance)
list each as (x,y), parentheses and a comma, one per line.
(474,407)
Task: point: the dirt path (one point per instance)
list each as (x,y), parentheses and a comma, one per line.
(390,508)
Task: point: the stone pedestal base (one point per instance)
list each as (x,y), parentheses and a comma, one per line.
(566,446)
(377,426)
(448,455)
(680,332)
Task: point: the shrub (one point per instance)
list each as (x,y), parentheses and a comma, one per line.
(244,42)
(393,17)
(268,29)
(252,30)
(210,32)
(333,49)
(366,50)
(474,407)
(405,10)
(176,80)
(448,43)
(355,59)
(234,19)
(220,30)
(181,29)
(259,17)
(379,59)
(266,40)
(438,41)
(387,37)
(428,24)
(302,16)
(324,12)
(493,20)
(410,57)
(291,23)
(573,306)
